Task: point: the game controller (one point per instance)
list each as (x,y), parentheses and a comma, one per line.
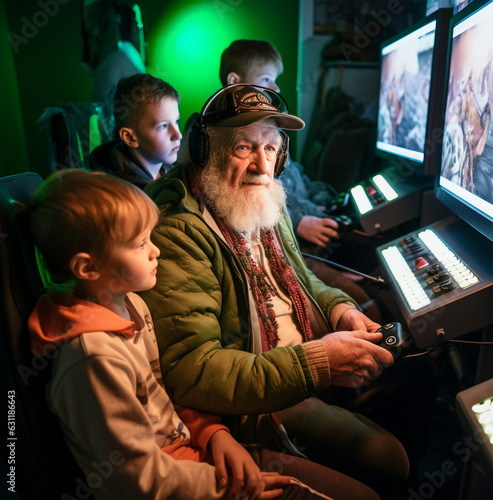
(344,222)
(393,339)
(340,203)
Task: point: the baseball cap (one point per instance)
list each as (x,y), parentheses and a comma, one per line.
(240,104)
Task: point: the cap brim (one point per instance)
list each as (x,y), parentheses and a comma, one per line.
(283,120)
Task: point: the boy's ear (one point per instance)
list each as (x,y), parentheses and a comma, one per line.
(233,78)
(83,267)
(128,136)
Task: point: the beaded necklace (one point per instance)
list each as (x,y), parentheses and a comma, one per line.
(259,283)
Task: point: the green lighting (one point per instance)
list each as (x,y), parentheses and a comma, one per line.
(185,48)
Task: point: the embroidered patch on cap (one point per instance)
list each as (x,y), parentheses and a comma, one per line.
(254,100)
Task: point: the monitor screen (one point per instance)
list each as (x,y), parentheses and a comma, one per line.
(465,183)
(410,108)
(434,5)
(460,4)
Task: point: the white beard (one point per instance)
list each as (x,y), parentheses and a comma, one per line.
(244,210)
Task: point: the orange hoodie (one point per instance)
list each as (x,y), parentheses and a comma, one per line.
(108,393)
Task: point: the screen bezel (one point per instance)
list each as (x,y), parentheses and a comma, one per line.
(478,220)
(430,164)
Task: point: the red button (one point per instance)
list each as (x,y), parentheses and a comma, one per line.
(420,262)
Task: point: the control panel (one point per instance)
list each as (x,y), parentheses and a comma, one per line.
(442,276)
(387,200)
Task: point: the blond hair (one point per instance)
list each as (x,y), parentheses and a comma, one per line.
(242,55)
(79,211)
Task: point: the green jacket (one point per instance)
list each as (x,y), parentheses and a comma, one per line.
(201,311)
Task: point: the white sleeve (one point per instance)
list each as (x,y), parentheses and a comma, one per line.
(112,437)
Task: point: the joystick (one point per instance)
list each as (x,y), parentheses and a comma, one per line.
(344,221)
(393,338)
(340,203)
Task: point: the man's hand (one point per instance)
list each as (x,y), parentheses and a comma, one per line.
(317,230)
(353,319)
(354,358)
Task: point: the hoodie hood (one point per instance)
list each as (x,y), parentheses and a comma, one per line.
(169,191)
(58,318)
(113,157)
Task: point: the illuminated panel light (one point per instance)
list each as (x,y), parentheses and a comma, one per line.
(482,407)
(482,410)
(413,292)
(485,418)
(361,200)
(484,414)
(452,264)
(384,187)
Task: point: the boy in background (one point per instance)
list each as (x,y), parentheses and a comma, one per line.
(146,123)
(258,62)
(93,231)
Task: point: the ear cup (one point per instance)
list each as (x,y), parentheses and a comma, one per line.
(282,157)
(198,144)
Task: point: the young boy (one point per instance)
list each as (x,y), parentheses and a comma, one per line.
(256,62)
(93,231)
(146,121)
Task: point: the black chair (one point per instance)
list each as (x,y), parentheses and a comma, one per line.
(74,130)
(43,465)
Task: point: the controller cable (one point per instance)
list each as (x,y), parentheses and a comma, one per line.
(378,281)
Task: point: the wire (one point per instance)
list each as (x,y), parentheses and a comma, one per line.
(378,280)
(477,342)
(471,342)
(417,354)
(424,352)
(362,233)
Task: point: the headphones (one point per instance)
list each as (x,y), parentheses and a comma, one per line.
(198,141)
(199,149)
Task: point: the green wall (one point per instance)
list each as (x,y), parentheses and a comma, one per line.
(14,151)
(46,51)
(187,38)
(43,49)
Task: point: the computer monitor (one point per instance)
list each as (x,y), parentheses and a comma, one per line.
(410,108)
(465,181)
(460,4)
(434,5)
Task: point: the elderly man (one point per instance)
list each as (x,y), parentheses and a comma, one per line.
(241,322)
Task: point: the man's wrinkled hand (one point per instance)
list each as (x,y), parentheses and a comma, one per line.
(354,357)
(353,319)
